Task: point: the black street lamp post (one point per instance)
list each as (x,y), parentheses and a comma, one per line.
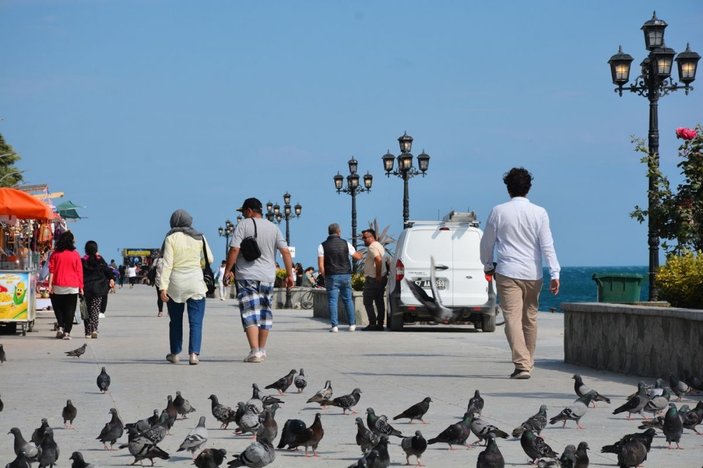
(653,82)
(405,169)
(352,189)
(273,214)
(226,232)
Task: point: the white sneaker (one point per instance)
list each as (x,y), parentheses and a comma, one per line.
(334,330)
(352,328)
(101,315)
(254,357)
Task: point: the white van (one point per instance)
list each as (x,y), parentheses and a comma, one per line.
(462,285)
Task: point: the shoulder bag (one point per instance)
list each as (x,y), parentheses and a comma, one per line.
(208,276)
(249,247)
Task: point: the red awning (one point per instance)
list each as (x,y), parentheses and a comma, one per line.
(22,205)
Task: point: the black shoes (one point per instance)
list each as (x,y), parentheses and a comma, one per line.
(373,328)
(520,374)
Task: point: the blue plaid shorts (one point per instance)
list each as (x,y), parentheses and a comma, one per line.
(255,303)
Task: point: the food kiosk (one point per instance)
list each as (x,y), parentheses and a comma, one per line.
(25,222)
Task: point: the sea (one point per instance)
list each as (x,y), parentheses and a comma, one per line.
(577,285)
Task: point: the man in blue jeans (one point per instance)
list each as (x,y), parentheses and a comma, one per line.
(335,266)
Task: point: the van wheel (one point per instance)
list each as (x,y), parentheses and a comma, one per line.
(488,322)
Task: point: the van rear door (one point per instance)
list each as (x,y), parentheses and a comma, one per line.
(423,242)
(469,286)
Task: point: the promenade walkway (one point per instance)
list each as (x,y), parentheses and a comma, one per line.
(393,370)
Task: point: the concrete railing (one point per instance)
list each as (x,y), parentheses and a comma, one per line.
(633,339)
(320,310)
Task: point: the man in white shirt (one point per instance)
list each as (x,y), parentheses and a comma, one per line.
(518,233)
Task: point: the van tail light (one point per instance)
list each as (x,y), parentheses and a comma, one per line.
(399,270)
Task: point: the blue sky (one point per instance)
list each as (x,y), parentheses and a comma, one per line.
(136,108)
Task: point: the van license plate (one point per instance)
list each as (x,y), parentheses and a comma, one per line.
(424,283)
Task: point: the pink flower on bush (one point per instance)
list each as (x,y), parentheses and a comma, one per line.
(686,133)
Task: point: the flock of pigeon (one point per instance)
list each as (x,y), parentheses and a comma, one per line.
(255,418)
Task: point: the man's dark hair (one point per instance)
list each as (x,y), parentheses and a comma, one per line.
(333,229)
(66,242)
(370,231)
(519,181)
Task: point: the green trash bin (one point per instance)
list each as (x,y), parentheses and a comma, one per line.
(618,287)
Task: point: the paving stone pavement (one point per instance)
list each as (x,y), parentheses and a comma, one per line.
(393,370)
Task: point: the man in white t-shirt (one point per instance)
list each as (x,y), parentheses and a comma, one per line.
(132,275)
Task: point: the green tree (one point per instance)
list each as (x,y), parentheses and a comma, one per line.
(9,175)
(678,214)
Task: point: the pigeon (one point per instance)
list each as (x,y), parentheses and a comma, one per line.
(68,414)
(631,453)
(258,454)
(534,423)
(158,431)
(482,430)
(673,426)
(634,404)
(3,357)
(377,457)
(183,406)
(346,402)
(581,389)
(142,425)
(535,447)
(153,419)
(112,430)
(455,434)
(324,394)
(171,413)
(283,383)
(30,450)
(222,413)
(268,429)
(645,437)
(78,352)
(49,450)
(433,303)
(141,447)
(582,460)
(657,404)
(414,446)
(210,458)
(20,461)
(249,422)
(379,424)
(38,434)
(300,382)
(293,434)
(568,456)
(103,381)
(2,405)
(78,461)
(693,381)
(196,438)
(314,433)
(491,457)
(475,404)
(365,438)
(575,411)
(693,417)
(262,401)
(416,411)
(679,387)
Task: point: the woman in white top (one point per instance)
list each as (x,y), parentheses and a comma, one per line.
(181,283)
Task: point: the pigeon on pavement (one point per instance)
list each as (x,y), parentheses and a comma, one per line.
(2,405)
(475,406)
(657,404)
(103,381)
(323,394)
(673,426)
(347,402)
(249,422)
(575,411)
(171,413)
(693,417)
(210,458)
(534,423)
(158,431)
(581,389)
(68,414)
(3,357)
(112,430)
(315,433)
(582,460)
(365,438)
(78,352)
(293,434)
(268,429)
(482,430)
(49,450)
(183,406)
(283,383)
(377,457)
(535,447)
(455,434)
(679,387)
(222,413)
(631,453)
(416,411)
(31,451)
(196,438)
(414,446)
(491,457)
(635,404)
(262,401)
(20,461)
(433,303)
(645,437)
(38,434)
(300,382)
(568,456)
(379,424)
(257,455)
(78,461)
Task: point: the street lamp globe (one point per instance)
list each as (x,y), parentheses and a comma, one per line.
(286,198)
(620,67)
(353,180)
(368,180)
(654,32)
(353,165)
(286,209)
(338,181)
(687,62)
(220,231)
(277,210)
(269,207)
(405,162)
(663,59)
(405,142)
(423,160)
(388,161)
(298,209)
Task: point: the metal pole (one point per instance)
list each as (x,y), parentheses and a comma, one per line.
(653,168)
(288,304)
(406,199)
(353,216)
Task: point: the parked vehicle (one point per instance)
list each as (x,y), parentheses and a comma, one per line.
(460,280)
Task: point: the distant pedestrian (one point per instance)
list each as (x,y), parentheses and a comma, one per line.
(132,275)
(517,236)
(220,277)
(299,274)
(375,279)
(309,277)
(182,285)
(123,273)
(335,266)
(255,276)
(97,280)
(65,283)
(158,267)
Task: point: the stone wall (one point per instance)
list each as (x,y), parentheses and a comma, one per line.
(633,339)
(320,310)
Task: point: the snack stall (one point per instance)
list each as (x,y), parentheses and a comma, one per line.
(24,221)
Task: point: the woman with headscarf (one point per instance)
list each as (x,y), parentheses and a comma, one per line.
(181,283)
(65,283)
(97,280)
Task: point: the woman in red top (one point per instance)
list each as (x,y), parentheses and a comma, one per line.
(65,283)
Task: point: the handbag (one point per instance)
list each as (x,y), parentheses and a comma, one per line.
(84,308)
(249,247)
(208,276)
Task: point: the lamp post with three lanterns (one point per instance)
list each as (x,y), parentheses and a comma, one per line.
(274,214)
(352,189)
